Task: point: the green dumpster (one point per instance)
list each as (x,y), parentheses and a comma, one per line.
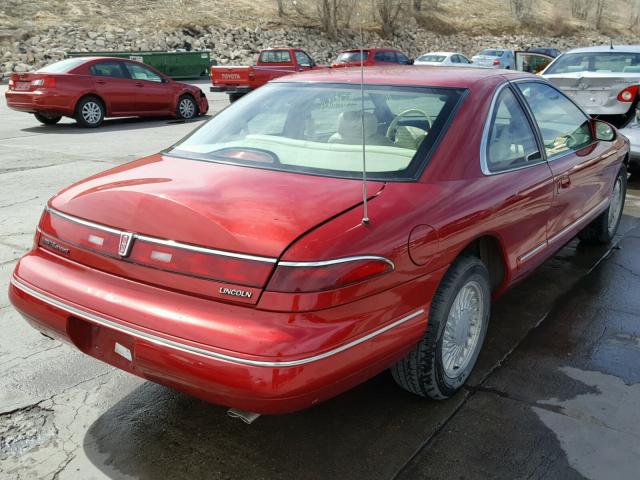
(193,64)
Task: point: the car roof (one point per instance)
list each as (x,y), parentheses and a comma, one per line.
(607,48)
(441,53)
(426,76)
(370,49)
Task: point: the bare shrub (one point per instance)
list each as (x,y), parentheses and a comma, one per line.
(388,13)
(521,9)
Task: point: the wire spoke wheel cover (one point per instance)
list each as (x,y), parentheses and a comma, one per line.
(186,108)
(91,112)
(463,329)
(615,207)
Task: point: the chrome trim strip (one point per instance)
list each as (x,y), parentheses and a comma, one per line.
(159,241)
(182,347)
(195,248)
(80,221)
(323,263)
(531,253)
(578,221)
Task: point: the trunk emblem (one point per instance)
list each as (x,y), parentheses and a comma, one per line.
(235,292)
(124,246)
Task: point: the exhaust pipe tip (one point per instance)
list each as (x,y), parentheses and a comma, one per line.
(246,417)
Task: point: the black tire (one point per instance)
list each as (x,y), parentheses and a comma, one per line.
(422,371)
(603,229)
(187,107)
(235,96)
(47,119)
(90,112)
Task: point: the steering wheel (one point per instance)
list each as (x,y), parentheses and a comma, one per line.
(393,126)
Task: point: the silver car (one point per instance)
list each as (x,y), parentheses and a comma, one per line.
(495,58)
(448,59)
(604,81)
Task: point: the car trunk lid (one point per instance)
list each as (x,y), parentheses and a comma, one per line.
(210,221)
(596,92)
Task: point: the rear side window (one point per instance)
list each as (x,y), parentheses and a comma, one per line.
(511,142)
(107,69)
(275,56)
(563,125)
(385,57)
(402,58)
(348,57)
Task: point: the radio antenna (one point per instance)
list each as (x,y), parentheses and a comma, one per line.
(365,213)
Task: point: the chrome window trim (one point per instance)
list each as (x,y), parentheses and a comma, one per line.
(323,263)
(159,241)
(187,348)
(484,166)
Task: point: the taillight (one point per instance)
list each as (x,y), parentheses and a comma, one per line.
(628,94)
(45,82)
(496,62)
(186,259)
(250,273)
(12,84)
(293,277)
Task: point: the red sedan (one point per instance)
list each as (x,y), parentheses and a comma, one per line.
(236,266)
(92,88)
(371,57)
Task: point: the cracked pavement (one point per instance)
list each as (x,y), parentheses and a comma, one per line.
(554,393)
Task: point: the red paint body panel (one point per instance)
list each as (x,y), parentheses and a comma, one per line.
(121,96)
(342,336)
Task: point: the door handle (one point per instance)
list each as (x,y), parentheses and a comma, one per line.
(101,82)
(138,84)
(564,182)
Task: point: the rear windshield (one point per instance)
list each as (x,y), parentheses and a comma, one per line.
(492,53)
(432,58)
(348,57)
(318,129)
(275,56)
(63,66)
(605,62)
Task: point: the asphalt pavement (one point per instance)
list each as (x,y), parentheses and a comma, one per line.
(555,393)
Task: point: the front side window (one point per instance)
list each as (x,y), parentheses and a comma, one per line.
(402,58)
(275,56)
(455,59)
(107,69)
(303,59)
(603,62)
(511,142)
(138,72)
(563,125)
(318,129)
(463,59)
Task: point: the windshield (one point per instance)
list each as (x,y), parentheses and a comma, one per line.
(432,58)
(63,66)
(604,62)
(318,129)
(348,57)
(492,53)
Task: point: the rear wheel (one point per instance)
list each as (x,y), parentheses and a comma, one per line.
(605,226)
(443,360)
(90,112)
(187,108)
(47,119)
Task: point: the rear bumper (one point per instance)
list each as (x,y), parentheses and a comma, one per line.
(230,89)
(40,101)
(245,380)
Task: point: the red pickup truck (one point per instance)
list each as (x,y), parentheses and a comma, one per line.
(272,63)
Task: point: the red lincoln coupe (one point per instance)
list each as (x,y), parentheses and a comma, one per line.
(236,265)
(92,88)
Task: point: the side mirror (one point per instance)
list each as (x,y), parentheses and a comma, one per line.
(604,131)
